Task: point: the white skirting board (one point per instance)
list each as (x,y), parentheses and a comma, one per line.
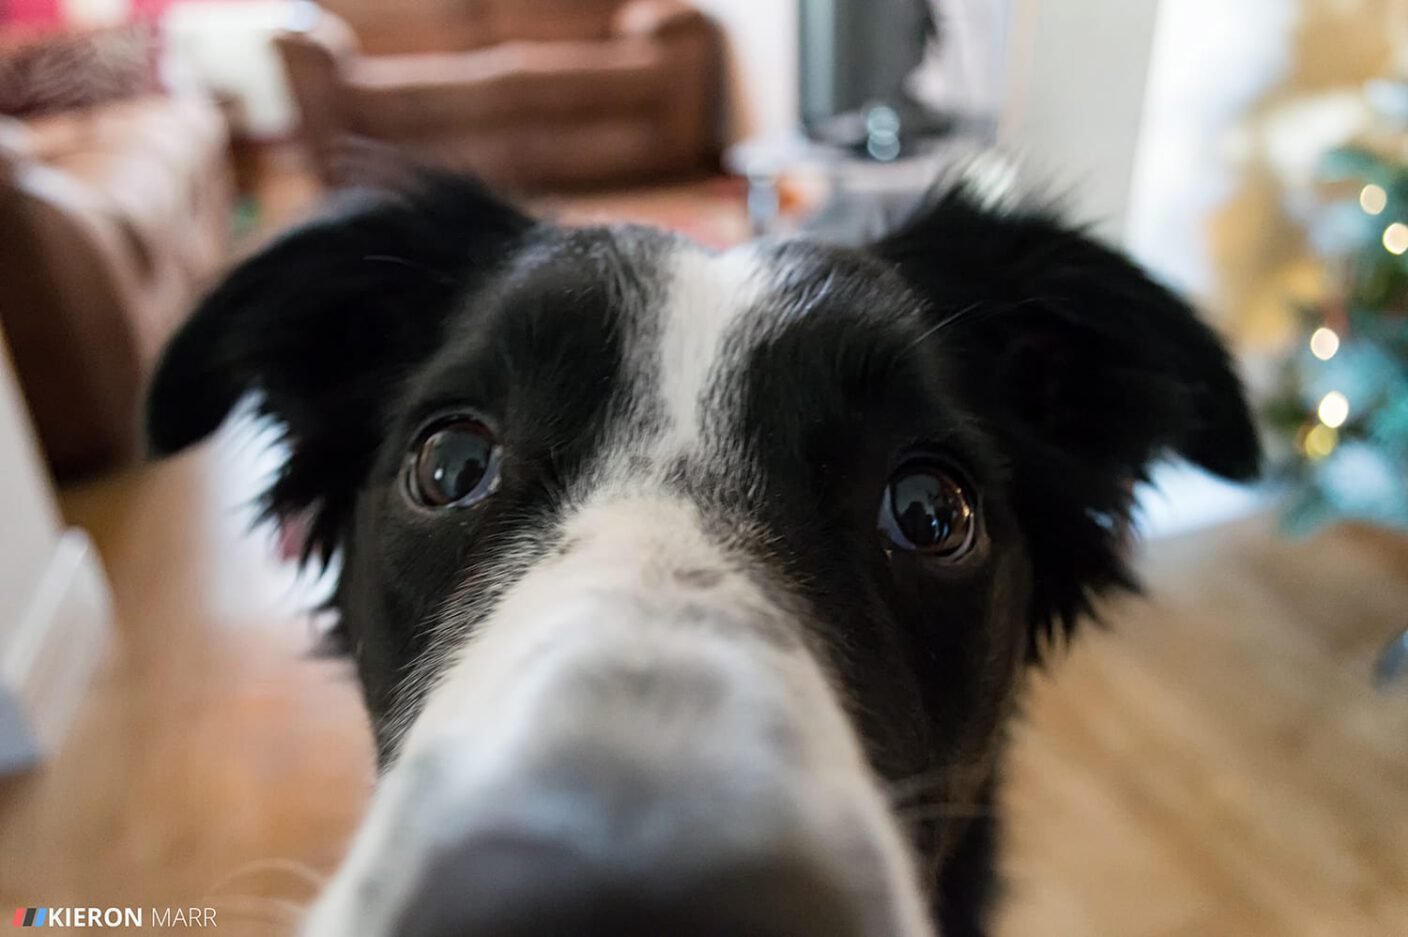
(49,662)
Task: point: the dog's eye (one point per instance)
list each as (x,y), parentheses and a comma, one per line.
(927,510)
(456,463)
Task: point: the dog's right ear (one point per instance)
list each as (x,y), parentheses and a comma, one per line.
(325,321)
(1083,368)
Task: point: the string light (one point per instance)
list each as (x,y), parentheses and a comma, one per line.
(1396,238)
(1333,409)
(1373,199)
(1320,441)
(1324,343)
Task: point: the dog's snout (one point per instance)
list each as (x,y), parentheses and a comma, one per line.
(635,742)
(509,885)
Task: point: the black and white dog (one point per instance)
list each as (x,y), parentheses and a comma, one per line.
(676,579)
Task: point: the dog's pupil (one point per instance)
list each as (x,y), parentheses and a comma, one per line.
(931,510)
(452,462)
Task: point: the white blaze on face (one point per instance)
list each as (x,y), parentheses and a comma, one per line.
(708,295)
(649,650)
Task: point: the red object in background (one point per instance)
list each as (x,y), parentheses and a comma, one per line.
(49,13)
(150,10)
(30,12)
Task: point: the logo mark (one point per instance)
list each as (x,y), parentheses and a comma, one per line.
(31,917)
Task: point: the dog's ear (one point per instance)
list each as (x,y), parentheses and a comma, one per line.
(1084,368)
(322,325)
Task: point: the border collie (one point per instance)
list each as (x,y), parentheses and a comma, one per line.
(690,591)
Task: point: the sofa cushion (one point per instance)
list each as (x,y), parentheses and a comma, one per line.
(111,220)
(506,84)
(553,20)
(428,26)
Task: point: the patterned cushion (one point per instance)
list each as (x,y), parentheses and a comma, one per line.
(42,74)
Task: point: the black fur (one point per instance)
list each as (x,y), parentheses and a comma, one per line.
(1087,370)
(1048,369)
(321,324)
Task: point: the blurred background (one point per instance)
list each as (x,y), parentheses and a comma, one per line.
(1230,756)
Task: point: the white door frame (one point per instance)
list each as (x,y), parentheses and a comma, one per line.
(1074,101)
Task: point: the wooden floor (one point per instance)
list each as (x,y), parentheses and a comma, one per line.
(215,763)
(1217,763)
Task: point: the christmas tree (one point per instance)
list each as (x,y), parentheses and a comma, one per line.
(1338,421)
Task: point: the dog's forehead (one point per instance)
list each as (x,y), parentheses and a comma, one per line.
(699,322)
(654,352)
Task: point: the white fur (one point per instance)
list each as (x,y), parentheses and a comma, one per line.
(708,294)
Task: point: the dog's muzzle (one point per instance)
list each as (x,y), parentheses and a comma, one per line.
(636,741)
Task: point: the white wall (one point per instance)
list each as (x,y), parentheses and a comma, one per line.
(1244,100)
(55,610)
(31,527)
(762,39)
(1211,61)
(1075,100)
(227,46)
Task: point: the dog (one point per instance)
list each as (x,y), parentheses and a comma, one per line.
(691,592)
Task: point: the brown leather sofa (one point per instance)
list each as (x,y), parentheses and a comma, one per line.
(532,94)
(112,219)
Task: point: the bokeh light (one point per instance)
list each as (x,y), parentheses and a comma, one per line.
(1396,238)
(1321,441)
(1324,342)
(1373,199)
(1333,409)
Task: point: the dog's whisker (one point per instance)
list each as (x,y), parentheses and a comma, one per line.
(944,323)
(300,871)
(258,908)
(924,782)
(407,262)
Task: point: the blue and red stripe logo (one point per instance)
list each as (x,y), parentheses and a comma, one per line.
(31,917)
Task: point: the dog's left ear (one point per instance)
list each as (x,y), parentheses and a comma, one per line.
(1084,368)
(323,325)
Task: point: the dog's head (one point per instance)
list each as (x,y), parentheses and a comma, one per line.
(661,567)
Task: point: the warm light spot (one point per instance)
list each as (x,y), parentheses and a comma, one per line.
(1396,238)
(1320,441)
(1333,409)
(1373,199)
(1324,343)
